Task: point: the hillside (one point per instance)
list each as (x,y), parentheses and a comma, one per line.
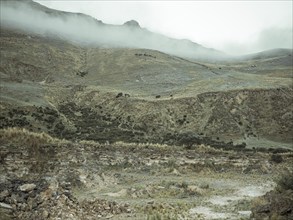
(104,128)
(80,85)
(275,63)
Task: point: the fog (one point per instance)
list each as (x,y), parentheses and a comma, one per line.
(85,30)
(267,39)
(235,27)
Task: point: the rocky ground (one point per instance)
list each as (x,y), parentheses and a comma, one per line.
(47,178)
(91,132)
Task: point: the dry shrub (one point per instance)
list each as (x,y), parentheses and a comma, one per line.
(140,145)
(22,136)
(285,182)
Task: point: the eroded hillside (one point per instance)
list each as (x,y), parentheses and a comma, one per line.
(96,131)
(136,95)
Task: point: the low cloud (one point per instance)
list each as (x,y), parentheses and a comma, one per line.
(85,30)
(267,39)
(275,38)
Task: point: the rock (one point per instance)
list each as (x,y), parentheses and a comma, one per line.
(176,172)
(14,198)
(276,158)
(27,187)
(276,205)
(132,23)
(192,189)
(121,193)
(263,209)
(151,202)
(120,94)
(5,206)
(107,208)
(204,186)
(4,194)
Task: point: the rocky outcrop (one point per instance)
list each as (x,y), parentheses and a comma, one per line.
(50,200)
(132,23)
(274,205)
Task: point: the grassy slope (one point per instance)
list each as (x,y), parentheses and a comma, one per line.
(52,73)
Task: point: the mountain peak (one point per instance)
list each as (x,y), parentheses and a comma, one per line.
(132,23)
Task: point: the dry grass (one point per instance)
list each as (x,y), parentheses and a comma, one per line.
(285,182)
(21,136)
(141,145)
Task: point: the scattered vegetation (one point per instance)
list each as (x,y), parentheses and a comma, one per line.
(23,136)
(158,216)
(82,73)
(276,158)
(285,182)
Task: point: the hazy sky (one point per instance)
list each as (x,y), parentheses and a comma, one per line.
(236,27)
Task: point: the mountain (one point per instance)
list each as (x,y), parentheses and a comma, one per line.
(87,31)
(274,53)
(58,78)
(275,63)
(97,127)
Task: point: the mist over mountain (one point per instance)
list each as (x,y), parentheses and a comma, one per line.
(84,30)
(123,123)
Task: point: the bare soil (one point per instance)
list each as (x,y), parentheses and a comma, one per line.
(132,181)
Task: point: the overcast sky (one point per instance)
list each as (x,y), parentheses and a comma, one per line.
(235,27)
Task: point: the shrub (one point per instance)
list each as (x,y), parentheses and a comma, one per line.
(286,182)
(276,158)
(22,136)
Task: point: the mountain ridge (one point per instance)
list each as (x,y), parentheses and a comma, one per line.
(94,32)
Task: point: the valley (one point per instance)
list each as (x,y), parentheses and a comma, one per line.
(97,130)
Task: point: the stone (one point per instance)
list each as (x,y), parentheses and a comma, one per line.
(4,194)
(5,206)
(176,172)
(195,190)
(121,193)
(27,187)
(107,208)
(204,186)
(132,23)
(151,202)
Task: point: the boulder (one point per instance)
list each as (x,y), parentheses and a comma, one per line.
(27,187)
